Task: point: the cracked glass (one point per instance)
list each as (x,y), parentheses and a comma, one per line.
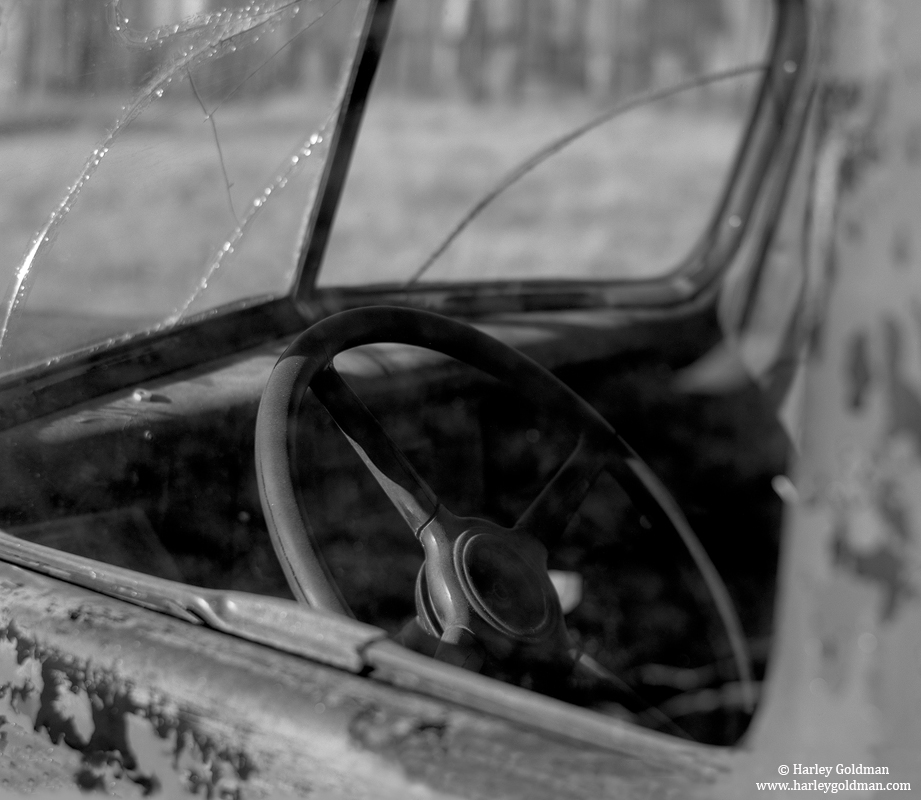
(160,158)
(157,159)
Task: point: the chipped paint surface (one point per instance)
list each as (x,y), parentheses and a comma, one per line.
(74,703)
(123,701)
(88,705)
(845,682)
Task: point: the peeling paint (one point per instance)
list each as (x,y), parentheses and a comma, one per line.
(871,535)
(376,730)
(843,677)
(883,566)
(853,111)
(836,98)
(860,156)
(872,529)
(84,709)
(904,399)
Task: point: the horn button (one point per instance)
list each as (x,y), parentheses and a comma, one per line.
(504,585)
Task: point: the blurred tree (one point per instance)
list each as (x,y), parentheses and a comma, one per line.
(482,48)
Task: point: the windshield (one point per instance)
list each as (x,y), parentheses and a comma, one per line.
(543,140)
(157,159)
(161,159)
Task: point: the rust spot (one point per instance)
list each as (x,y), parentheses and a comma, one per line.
(890,507)
(883,566)
(904,401)
(816,330)
(835,99)
(381,731)
(858,375)
(862,154)
(901,247)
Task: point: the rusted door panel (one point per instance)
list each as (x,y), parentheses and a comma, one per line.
(99,694)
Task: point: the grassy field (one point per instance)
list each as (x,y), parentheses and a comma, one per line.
(627,200)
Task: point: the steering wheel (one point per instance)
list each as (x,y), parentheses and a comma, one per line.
(484,595)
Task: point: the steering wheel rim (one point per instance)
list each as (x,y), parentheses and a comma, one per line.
(307,365)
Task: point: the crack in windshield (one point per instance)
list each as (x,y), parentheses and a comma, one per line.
(179,49)
(556,145)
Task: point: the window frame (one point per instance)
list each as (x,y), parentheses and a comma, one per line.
(754,193)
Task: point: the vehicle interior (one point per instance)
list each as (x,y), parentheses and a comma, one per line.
(135,356)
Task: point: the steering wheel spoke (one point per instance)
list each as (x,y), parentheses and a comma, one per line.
(458,646)
(553,509)
(408,492)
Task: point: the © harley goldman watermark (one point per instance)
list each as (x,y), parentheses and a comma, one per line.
(843,772)
(827,771)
